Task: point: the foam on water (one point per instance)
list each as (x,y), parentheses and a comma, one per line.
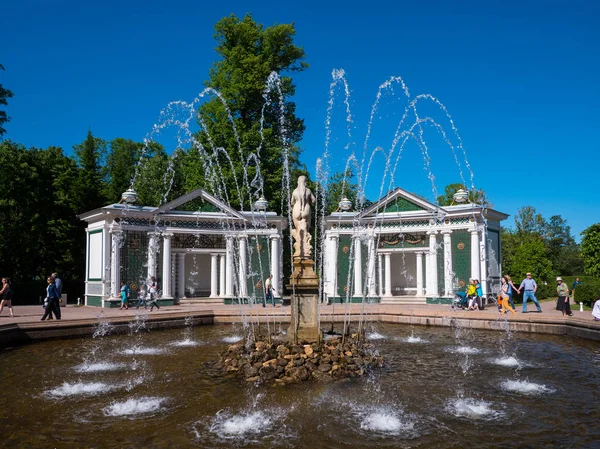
(386,422)
(525,387)
(96,367)
(506,361)
(232,338)
(186,343)
(464,350)
(142,351)
(413,339)
(375,336)
(79,389)
(473,408)
(134,406)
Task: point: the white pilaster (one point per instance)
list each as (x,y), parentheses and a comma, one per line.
(214,278)
(420,274)
(243,286)
(275,253)
(152,250)
(229,267)
(173,273)
(222,258)
(447,262)
(380,274)
(181,275)
(332,254)
(371,268)
(358,286)
(388,274)
(475,263)
(483,258)
(116,237)
(166,268)
(432,272)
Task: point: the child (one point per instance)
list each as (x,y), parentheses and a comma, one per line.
(141,294)
(596,310)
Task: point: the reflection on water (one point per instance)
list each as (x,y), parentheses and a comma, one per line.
(157,389)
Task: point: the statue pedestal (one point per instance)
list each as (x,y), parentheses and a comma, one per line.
(304,285)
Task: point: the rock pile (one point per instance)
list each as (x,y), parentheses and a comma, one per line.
(282,361)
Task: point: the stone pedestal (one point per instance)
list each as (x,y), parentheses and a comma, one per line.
(304,285)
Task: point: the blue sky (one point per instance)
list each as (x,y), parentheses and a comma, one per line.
(520,80)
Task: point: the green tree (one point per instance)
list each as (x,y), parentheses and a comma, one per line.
(590,250)
(563,251)
(530,255)
(90,183)
(476,196)
(120,167)
(528,221)
(340,185)
(153,178)
(4,94)
(249,54)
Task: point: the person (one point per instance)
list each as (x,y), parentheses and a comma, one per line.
(269,291)
(596,310)
(563,303)
(6,296)
(576,282)
(504,297)
(530,287)
(479,292)
(472,295)
(141,295)
(124,296)
(59,288)
(52,297)
(511,290)
(153,291)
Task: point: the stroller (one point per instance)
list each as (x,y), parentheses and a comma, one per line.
(460,301)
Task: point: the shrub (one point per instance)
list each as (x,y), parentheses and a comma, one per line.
(546,291)
(587,293)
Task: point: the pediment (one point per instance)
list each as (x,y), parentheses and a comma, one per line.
(199,201)
(400,201)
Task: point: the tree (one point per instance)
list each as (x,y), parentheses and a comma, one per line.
(527,255)
(249,54)
(476,196)
(590,250)
(563,252)
(340,185)
(4,94)
(153,179)
(90,183)
(528,221)
(120,167)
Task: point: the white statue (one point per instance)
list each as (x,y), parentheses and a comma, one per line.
(301,200)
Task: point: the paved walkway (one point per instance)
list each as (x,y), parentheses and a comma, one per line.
(73,314)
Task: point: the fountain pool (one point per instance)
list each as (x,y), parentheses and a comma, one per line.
(150,390)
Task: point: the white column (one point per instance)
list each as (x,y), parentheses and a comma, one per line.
(432,272)
(420,274)
(388,274)
(243,285)
(214,278)
(222,258)
(181,275)
(331,255)
(152,250)
(475,263)
(483,257)
(116,236)
(173,273)
(447,262)
(358,268)
(166,268)
(380,274)
(229,268)
(371,269)
(275,250)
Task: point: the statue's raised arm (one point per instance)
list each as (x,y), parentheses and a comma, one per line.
(302,199)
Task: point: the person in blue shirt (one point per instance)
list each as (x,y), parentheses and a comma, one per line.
(576,282)
(530,287)
(52,297)
(124,296)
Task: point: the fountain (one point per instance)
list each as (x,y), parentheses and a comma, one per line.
(441,388)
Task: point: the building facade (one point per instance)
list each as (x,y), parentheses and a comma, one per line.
(404,249)
(195,246)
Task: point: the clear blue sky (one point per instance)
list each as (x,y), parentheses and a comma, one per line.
(520,80)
